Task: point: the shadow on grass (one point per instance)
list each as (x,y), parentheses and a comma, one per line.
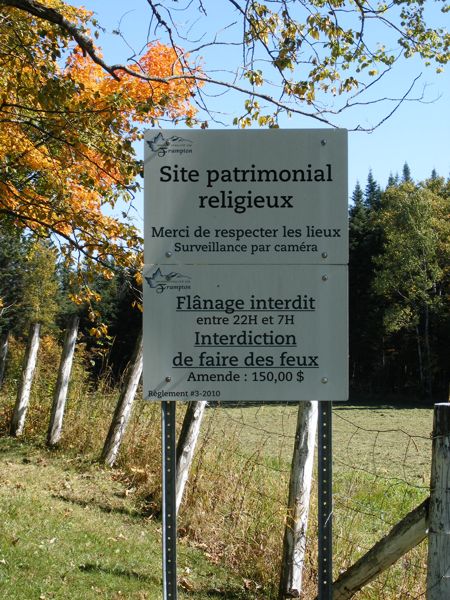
(229,594)
(368,404)
(120,510)
(118,572)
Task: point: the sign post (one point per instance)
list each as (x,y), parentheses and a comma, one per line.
(245,279)
(169,508)
(325,505)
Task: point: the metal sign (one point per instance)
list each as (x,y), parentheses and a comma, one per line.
(234,332)
(246,197)
(243,298)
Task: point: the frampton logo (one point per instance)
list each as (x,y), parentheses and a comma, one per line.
(172,281)
(174,144)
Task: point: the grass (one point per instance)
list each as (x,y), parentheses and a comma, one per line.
(75,514)
(381,440)
(382,457)
(69,530)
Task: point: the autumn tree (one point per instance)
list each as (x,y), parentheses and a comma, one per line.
(312,59)
(67,129)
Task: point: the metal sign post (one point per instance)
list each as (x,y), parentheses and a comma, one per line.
(169,508)
(325,498)
(245,285)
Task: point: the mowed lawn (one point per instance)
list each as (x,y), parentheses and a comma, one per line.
(68,530)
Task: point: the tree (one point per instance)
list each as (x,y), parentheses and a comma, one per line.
(364,310)
(411,269)
(13,249)
(39,301)
(406,174)
(392,180)
(67,127)
(68,118)
(372,193)
(313,59)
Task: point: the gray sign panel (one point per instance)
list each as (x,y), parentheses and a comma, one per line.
(239,332)
(246,197)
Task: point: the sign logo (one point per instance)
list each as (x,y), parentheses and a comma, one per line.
(172,281)
(170,145)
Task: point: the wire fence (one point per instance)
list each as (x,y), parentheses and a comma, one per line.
(234,507)
(381,462)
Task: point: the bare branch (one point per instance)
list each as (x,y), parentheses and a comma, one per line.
(308,49)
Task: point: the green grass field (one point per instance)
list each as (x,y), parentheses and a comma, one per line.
(69,530)
(72,530)
(383,440)
(382,458)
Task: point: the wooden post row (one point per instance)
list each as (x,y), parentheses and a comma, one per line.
(190,431)
(122,412)
(294,543)
(4,338)
(23,394)
(62,383)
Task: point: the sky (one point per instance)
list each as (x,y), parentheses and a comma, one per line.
(418,132)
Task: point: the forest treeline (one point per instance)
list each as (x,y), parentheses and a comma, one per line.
(399,286)
(399,293)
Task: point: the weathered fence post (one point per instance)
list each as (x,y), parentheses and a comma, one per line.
(438,575)
(294,543)
(187,441)
(23,394)
(123,409)
(402,538)
(62,383)
(4,339)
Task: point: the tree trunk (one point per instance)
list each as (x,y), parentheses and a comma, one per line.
(438,577)
(62,383)
(123,409)
(187,441)
(419,356)
(23,395)
(4,339)
(426,343)
(294,543)
(409,532)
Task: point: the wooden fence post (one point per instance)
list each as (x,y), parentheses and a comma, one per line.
(23,394)
(438,574)
(404,536)
(62,383)
(4,339)
(123,409)
(187,441)
(294,543)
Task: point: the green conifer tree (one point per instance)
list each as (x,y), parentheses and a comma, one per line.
(365,315)
(372,194)
(13,248)
(406,174)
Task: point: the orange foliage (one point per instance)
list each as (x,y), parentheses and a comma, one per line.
(67,129)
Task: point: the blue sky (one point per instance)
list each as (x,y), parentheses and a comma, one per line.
(418,133)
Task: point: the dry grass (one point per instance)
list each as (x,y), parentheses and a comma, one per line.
(234,507)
